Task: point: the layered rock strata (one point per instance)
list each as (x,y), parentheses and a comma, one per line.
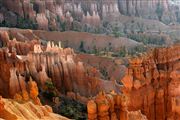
(12,110)
(52,63)
(50,14)
(151,85)
(111,107)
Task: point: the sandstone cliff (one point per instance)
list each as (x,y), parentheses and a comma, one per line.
(12,110)
(65,15)
(111,107)
(151,84)
(52,63)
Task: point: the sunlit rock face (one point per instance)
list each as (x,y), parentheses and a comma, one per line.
(21,61)
(111,107)
(12,110)
(21,48)
(151,84)
(18,86)
(67,74)
(9,79)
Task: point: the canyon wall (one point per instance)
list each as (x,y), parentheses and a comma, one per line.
(151,84)
(60,15)
(51,63)
(111,106)
(149,90)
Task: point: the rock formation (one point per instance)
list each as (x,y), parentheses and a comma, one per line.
(111,107)
(42,21)
(10,81)
(151,83)
(21,48)
(92,20)
(49,14)
(12,110)
(61,66)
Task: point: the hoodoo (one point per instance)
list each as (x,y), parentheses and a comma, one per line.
(90,59)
